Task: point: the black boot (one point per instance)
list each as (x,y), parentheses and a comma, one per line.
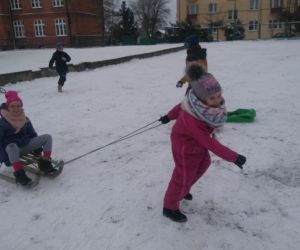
(45,166)
(22,178)
(188,197)
(174,215)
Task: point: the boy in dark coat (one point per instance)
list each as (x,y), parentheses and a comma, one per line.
(60,58)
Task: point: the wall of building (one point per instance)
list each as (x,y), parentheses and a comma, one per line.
(84,23)
(5,26)
(263,15)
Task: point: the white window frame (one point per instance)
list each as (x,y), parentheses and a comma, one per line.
(275,3)
(39,28)
(232,14)
(15,4)
(35,4)
(61,27)
(19,28)
(58,3)
(212,8)
(275,24)
(192,9)
(253,25)
(254,4)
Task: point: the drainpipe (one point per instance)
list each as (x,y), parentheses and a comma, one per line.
(260,20)
(69,20)
(12,26)
(178,11)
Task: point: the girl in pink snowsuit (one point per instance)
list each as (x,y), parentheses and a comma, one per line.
(202,110)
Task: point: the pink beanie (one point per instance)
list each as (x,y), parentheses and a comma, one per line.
(12,96)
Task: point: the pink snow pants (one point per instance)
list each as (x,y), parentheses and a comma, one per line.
(190,165)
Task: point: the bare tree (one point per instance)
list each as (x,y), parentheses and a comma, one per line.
(110,7)
(151,14)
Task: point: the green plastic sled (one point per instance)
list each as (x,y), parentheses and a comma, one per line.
(241,115)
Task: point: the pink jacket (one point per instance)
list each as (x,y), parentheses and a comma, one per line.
(193,137)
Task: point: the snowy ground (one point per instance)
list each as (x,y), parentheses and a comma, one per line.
(30,59)
(112,199)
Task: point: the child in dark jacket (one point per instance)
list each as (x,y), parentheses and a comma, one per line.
(60,58)
(201,111)
(195,54)
(18,137)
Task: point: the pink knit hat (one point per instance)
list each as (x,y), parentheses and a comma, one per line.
(12,96)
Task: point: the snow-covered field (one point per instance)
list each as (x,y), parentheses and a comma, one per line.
(112,199)
(30,59)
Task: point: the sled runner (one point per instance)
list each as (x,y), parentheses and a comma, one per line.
(30,165)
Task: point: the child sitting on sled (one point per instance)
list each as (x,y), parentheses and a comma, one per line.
(201,111)
(18,137)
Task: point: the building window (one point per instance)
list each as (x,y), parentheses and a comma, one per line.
(192,9)
(232,14)
(253,4)
(253,25)
(39,28)
(57,3)
(212,8)
(19,28)
(275,3)
(15,4)
(275,24)
(36,4)
(214,30)
(60,27)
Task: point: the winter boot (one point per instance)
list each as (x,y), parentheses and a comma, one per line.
(22,178)
(45,166)
(188,197)
(174,215)
(59,88)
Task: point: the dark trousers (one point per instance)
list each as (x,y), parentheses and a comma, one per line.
(62,78)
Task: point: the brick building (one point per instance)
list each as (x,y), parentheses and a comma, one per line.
(42,23)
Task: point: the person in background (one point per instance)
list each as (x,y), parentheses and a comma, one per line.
(195,54)
(60,58)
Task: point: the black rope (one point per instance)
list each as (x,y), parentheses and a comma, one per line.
(125,137)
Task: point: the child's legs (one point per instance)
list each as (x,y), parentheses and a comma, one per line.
(181,181)
(41,141)
(62,78)
(202,167)
(13,152)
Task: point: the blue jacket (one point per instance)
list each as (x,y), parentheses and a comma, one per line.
(8,135)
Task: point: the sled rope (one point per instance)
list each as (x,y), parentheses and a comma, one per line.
(125,137)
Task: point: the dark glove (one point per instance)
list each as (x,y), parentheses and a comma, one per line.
(7,163)
(179,84)
(164,119)
(240,161)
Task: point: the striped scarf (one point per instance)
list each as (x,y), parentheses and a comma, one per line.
(215,117)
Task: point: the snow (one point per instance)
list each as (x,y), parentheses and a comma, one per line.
(32,59)
(112,199)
